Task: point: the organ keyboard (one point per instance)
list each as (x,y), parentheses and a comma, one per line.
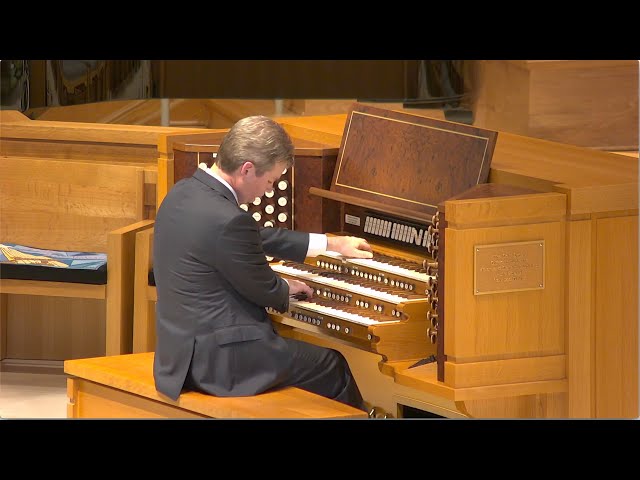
(370,312)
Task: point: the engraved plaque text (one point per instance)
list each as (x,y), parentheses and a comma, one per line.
(508,267)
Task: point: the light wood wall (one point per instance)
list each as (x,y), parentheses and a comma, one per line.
(588,103)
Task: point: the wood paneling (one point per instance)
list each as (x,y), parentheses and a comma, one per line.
(616,332)
(54,328)
(122,386)
(588,103)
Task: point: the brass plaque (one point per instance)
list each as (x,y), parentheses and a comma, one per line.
(508,267)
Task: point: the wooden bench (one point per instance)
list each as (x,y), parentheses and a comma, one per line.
(122,386)
(69,205)
(132,148)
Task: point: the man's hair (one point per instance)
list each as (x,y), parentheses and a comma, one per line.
(256,139)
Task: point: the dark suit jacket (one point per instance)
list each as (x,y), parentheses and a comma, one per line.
(213,283)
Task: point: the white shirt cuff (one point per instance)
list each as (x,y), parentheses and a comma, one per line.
(317,244)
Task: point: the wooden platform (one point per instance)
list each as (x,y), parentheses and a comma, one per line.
(122,386)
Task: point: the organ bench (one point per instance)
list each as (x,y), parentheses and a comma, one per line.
(122,386)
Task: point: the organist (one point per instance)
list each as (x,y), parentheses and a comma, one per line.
(214,283)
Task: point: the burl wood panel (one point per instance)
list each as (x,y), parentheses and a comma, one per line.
(410,161)
(313,213)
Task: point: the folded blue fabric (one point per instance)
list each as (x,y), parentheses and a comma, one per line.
(28,263)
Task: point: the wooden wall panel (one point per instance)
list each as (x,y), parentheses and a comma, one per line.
(616,318)
(54,328)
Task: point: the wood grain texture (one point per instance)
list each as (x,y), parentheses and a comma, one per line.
(616,318)
(509,324)
(129,379)
(144,326)
(588,103)
(71,205)
(580,319)
(63,205)
(594,181)
(96,142)
(54,328)
(120,287)
(409,161)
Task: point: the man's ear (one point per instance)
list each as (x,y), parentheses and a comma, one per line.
(246,168)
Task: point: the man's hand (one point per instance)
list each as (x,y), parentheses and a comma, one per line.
(353,247)
(299,289)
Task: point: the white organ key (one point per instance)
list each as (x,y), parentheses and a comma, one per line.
(332,282)
(394,231)
(334,312)
(419,237)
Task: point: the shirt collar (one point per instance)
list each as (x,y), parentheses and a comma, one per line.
(204,167)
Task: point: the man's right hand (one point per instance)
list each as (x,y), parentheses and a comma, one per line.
(298,288)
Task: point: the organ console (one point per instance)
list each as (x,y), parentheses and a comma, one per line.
(392,172)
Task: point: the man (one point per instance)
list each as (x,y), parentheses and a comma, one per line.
(214,282)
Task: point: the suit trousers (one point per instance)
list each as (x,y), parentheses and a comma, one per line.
(323,371)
